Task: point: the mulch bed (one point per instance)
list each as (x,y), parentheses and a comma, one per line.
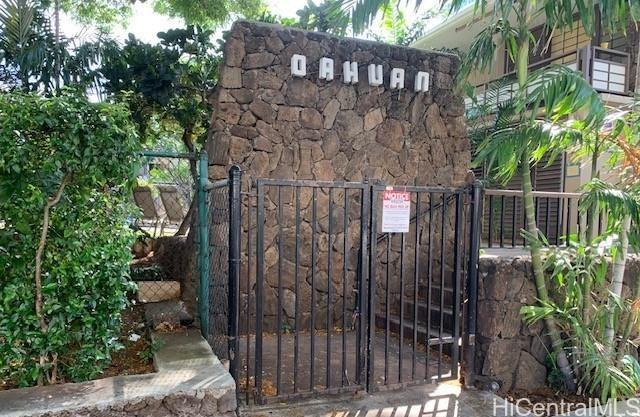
(136,357)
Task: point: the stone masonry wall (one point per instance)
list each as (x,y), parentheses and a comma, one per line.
(508,351)
(278,126)
(176,405)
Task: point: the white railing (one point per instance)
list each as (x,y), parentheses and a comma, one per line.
(606,69)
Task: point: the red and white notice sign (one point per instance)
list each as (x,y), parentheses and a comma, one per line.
(396,211)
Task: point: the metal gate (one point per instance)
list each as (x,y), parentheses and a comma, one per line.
(415,291)
(321,302)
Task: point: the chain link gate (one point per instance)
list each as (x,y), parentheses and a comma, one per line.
(320,302)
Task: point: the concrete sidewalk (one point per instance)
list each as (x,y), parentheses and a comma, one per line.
(435,400)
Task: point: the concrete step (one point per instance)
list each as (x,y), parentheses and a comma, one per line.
(447,313)
(423,290)
(172,312)
(433,333)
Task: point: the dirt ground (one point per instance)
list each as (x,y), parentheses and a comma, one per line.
(137,356)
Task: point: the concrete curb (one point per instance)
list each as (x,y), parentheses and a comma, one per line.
(190,381)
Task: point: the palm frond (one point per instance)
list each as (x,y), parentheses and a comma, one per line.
(16,23)
(560,92)
(619,203)
(499,94)
(484,46)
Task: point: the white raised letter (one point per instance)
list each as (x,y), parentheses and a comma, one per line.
(422,82)
(397,79)
(298,65)
(375,75)
(326,69)
(350,72)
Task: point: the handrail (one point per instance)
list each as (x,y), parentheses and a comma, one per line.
(610,51)
(558,215)
(542,194)
(168,154)
(537,64)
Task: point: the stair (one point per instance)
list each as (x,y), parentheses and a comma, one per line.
(160,296)
(433,335)
(425,331)
(172,312)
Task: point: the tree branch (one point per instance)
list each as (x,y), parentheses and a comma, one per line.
(44,327)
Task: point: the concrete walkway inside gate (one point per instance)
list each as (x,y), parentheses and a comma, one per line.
(434,400)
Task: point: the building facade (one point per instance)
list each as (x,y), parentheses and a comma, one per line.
(607,61)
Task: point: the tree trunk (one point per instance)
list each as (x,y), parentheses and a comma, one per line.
(56,15)
(593,212)
(592,219)
(187,139)
(39,303)
(541,286)
(629,322)
(617,278)
(522,73)
(188,218)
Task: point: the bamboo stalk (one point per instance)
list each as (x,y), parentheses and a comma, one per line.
(541,287)
(617,278)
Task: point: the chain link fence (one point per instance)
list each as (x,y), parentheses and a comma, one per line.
(165,196)
(164,193)
(219,267)
(183,274)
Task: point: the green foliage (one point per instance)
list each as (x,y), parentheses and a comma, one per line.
(148,273)
(90,148)
(616,202)
(554,376)
(103,13)
(571,270)
(324,17)
(209,13)
(30,57)
(396,30)
(166,84)
(150,350)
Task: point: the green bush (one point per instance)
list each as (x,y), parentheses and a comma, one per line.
(66,167)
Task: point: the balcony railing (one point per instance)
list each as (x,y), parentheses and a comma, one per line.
(607,70)
(558,215)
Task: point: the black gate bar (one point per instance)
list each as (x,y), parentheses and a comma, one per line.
(469,338)
(235,221)
(450,278)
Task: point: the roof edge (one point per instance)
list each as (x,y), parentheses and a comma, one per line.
(448,24)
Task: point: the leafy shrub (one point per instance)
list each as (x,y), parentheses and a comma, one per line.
(66,166)
(602,370)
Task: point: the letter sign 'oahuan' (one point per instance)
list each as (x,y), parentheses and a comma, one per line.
(326,69)
(375,75)
(350,72)
(422,82)
(298,65)
(397,79)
